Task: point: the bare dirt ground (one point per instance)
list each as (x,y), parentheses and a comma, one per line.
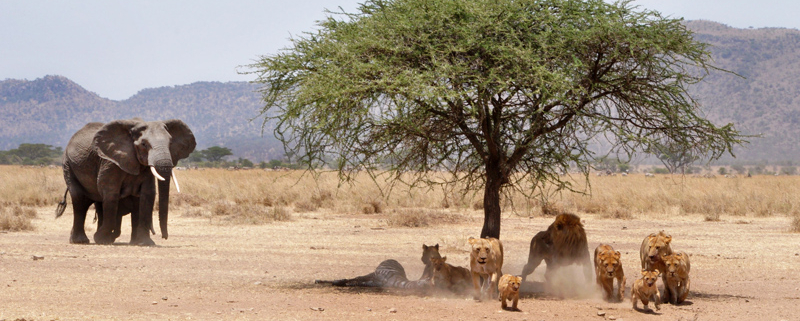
(742,268)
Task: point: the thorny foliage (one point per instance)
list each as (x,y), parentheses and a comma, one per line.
(523,87)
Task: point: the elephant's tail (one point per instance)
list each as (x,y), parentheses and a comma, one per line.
(62,205)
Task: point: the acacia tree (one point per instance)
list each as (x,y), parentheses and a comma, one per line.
(498,92)
(673,155)
(216,153)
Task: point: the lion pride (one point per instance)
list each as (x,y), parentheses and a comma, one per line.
(485,261)
(676,276)
(608,267)
(562,244)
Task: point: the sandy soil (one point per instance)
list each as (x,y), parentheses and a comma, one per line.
(742,268)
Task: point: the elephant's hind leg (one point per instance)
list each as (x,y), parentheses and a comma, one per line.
(80,205)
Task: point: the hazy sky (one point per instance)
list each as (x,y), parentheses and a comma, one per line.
(117,47)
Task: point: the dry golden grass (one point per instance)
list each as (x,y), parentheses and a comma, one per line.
(249,196)
(418,217)
(31,186)
(795,225)
(16,218)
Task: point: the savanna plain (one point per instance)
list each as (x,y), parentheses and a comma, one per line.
(249,245)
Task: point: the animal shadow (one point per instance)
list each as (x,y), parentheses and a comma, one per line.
(647,311)
(533,290)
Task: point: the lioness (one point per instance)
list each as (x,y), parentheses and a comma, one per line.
(447,276)
(509,290)
(485,260)
(607,268)
(677,277)
(429,252)
(653,247)
(645,289)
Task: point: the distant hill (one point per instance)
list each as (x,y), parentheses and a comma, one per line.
(50,109)
(766,101)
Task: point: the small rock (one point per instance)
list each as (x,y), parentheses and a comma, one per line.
(601,313)
(369,309)
(257,283)
(392,310)
(164,298)
(155,302)
(611,317)
(746,300)
(38,257)
(318,309)
(624,227)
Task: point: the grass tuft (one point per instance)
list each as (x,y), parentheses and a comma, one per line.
(795,225)
(16,218)
(422,218)
(712,217)
(620,213)
(247,213)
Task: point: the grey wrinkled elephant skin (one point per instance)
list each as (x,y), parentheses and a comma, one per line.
(109,165)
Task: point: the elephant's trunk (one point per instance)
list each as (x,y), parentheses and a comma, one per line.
(163,205)
(161,166)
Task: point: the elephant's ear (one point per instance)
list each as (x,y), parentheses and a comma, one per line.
(182,143)
(114,142)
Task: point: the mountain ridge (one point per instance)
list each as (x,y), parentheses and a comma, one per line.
(760,96)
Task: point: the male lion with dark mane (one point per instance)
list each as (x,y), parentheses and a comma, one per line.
(563,243)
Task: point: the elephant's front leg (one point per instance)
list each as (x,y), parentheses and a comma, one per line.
(142,215)
(105,232)
(142,222)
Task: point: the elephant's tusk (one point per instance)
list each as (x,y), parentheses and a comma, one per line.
(153,169)
(175,179)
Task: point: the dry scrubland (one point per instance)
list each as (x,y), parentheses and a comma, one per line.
(248,245)
(257,197)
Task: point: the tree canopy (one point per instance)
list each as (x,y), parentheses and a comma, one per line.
(216,153)
(498,92)
(32,154)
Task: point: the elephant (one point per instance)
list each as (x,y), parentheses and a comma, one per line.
(115,166)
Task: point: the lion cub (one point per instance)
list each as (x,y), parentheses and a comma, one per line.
(645,289)
(608,267)
(454,278)
(677,276)
(509,290)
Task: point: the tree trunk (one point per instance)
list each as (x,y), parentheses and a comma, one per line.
(491,200)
